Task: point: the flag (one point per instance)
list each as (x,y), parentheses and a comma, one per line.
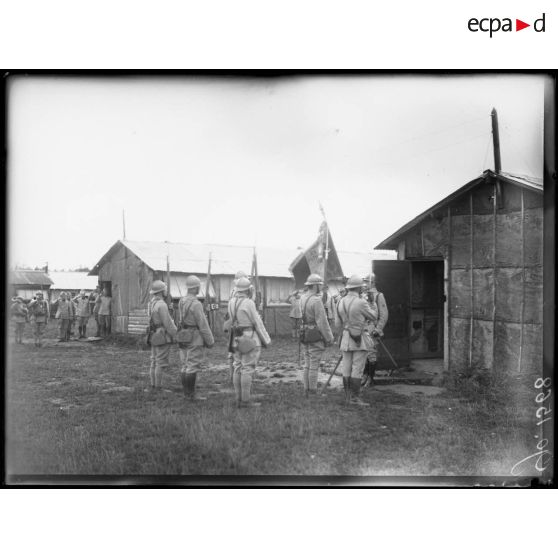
(311,260)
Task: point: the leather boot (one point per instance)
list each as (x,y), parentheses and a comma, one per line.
(355,395)
(346,388)
(190,389)
(184,383)
(85,332)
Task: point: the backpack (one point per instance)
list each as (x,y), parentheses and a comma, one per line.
(308,336)
(185,336)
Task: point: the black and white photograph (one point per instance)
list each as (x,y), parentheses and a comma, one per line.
(295,279)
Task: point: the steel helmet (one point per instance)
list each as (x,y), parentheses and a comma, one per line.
(314,279)
(192,281)
(82,292)
(39,293)
(243,284)
(370,278)
(240,274)
(158,287)
(354,282)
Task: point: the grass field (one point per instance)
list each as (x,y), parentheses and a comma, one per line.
(84,408)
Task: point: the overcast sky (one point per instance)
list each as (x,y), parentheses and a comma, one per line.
(241,162)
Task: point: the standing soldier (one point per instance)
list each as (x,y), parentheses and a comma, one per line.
(105,311)
(40,313)
(20,315)
(193,336)
(83,312)
(316,334)
(96,303)
(230,355)
(375,298)
(164,333)
(65,314)
(355,342)
(295,314)
(247,336)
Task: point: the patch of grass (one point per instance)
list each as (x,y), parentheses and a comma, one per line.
(60,421)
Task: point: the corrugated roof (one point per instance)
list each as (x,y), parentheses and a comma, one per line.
(72,280)
(530,183)
(29,277)
(193,258)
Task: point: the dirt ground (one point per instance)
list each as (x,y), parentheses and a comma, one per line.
(85,408)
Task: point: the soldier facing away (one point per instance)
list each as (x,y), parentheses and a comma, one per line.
(40,313)
(164,333)
(194,335)
(375,298)
(316,332)
(248,334)
(352,315)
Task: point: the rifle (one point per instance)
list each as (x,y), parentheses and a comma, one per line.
(207,296)
(169,297)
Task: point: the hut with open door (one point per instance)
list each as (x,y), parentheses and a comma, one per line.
(468,284)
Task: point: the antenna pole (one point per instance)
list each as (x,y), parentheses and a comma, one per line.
(123,225)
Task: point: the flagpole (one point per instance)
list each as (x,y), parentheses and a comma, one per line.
(326,242)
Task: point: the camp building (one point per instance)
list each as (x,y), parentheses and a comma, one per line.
(468,286)
(129,268)
(26,282)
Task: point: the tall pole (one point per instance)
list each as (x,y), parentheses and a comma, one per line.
(123,225)
(326,243)
(497,159)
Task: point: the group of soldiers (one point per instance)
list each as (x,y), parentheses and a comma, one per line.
(69,310)
(358,316)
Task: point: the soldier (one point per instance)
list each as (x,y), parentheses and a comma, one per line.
(376,329)
(83,312)
(352,314)
(96,303)
(230,354)
(65,314)
(316,333)
(248,334)
(105,311)
(163,335)
(20,315)
(40,313)
(295,314)
(194,329)
(329,305)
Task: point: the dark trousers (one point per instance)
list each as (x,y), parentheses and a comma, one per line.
(104,322)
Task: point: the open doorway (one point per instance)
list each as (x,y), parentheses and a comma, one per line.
(427,309)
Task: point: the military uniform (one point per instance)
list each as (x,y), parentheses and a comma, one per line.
(65,313)
(355,342)
(246,324)
(159,314)
(83,313)
(191,316)
(40,312)
(20,315)
(295,314)
(105,311)
(314,317)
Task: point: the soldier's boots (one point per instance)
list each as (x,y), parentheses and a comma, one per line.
(355,395)
(347,388)
(368,378)
(189,387)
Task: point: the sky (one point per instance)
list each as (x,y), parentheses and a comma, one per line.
(247,161)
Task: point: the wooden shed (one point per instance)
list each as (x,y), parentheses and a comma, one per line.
(129,268)
(26,282)
(471,277)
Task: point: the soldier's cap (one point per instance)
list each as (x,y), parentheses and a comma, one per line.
(39,293)
(243,284)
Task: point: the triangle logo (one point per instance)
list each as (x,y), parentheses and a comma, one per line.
(519,25)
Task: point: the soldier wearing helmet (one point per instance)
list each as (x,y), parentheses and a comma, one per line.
(19,314)
(83,312)
(376,328)
(352,314)
(296,313)
(194,336)
(40,313)
(164,333)
(64,313)
(248,334)
(316,333)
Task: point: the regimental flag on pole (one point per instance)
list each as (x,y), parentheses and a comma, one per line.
(313,259)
